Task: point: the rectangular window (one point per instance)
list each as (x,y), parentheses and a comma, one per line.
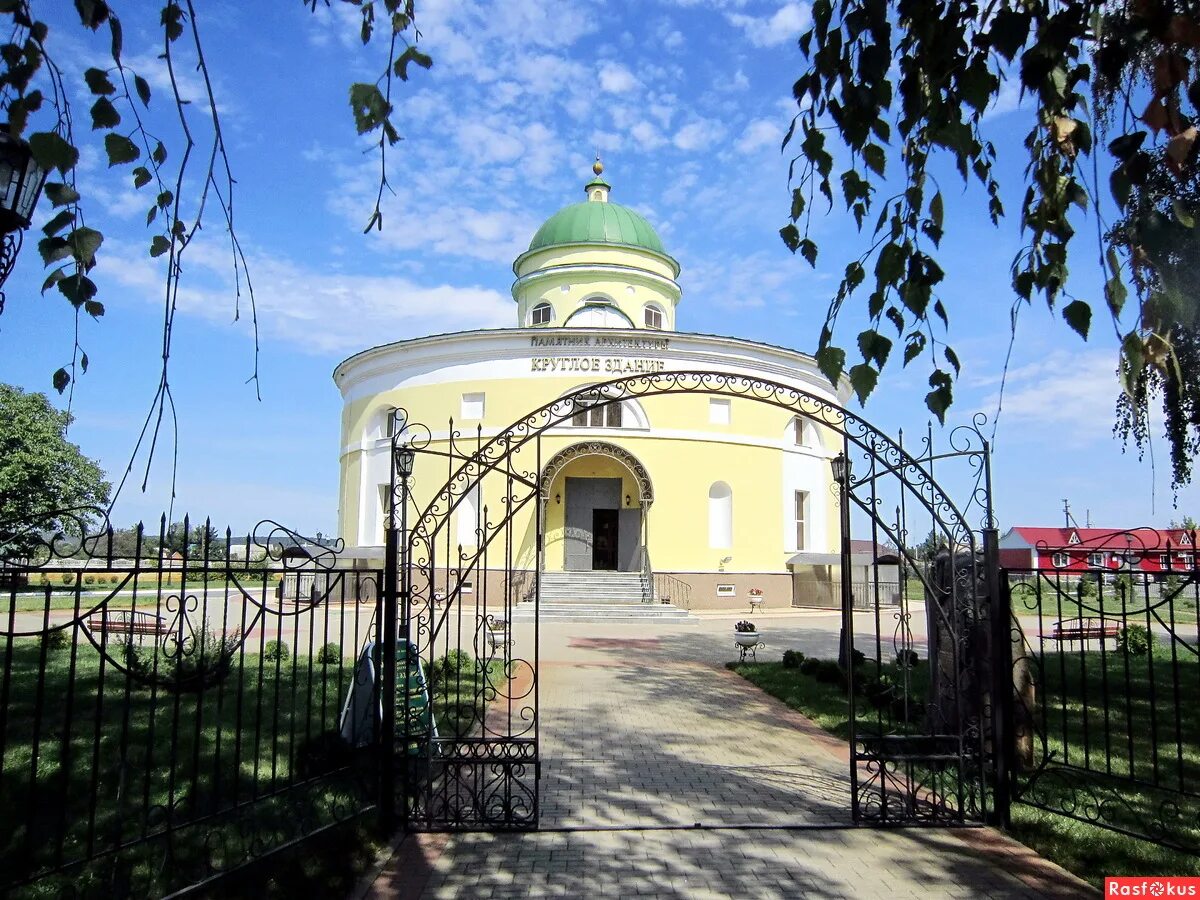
(383,511)
(1164,560)
(1185,560)
(472,406)
(654,317)
(1060,560)
(391,423)
(801,518)
(1096,560)
(468,587)
(718,411)
(726,590)
(614,415)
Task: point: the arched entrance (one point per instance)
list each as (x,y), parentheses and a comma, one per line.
(911,761)
(598,496)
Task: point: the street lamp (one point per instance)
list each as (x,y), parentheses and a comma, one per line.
(21,180)
(404,461)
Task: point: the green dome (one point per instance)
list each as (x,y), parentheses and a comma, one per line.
(592,222)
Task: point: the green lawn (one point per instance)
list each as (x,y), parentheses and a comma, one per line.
(1055,599)
(251,763)
(1087,850)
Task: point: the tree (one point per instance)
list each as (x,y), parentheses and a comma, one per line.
(1187,523)
(906,84)
(203,541)
(36,88)
(41,472)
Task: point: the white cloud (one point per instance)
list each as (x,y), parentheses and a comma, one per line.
(672,41)
(1069,395)
(758,134)
(646,135)
(1008,99)
(616,79)
(769,31)
(697,135)
(317,311)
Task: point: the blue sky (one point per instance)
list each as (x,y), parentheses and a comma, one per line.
(686,102)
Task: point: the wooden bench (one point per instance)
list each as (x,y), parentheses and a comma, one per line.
(1083,629)
(127,622)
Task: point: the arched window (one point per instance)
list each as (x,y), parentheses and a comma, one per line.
(599,315)
(542,314)
(720,515)
(805,433)
(653,316)
(611,416)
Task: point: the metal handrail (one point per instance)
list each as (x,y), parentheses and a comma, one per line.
(673,590)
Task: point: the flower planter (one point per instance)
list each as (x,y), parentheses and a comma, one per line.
(747,638)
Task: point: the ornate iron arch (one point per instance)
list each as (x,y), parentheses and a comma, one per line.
(560,460)
(890,781)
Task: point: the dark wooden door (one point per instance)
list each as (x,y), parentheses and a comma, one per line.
(604,539)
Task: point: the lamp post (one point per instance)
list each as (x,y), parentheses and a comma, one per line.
(21,180)
(841,476)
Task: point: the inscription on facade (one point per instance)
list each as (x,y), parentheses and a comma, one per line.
(613,365)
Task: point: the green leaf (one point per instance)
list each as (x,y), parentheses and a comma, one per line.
(1182,213)
(875,158)
(939,399)
(1126,145)
(104,114)
(77,288)
(141,177)
(369,106)
(1115,294)
(52,152)
(59,222)
(914,345)
(164,199)
(143,89)
(53,249)
(808,250)
(896,318)
(1120,186)
(831,361)
(1133,355)
(863,379)
(118,38)
(936,210)
(98,81)
(83,359)
(120,149)
(1079,316)
(791,236)
(160,153)
(95,309)
(411,55)
(1010,29)
(85,243)
(172,20)
(53,278)
(952,358)
(874,347)
(854,275)
(61,379)
(60,194)
(159,245)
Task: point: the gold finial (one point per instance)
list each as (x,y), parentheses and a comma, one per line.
(597,166)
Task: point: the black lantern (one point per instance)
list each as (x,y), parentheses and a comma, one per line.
(21,180)
(404,461)
(841,468)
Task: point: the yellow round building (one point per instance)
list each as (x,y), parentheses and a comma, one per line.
(693,497)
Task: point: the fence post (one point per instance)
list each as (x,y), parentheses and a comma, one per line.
(387,683)
(1001,678)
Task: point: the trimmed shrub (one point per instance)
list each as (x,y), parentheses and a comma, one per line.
(857,658)
(828,672)
(1135,640)
(56,639)
(330,654)
(89,579)
(276,651)
(68,578)
(907,658)
(809,665)
(792,659)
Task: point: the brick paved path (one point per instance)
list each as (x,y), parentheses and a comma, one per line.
(644,735)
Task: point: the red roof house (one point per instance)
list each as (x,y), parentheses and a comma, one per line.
(1076,551)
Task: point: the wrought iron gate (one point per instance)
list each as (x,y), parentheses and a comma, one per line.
(918,754)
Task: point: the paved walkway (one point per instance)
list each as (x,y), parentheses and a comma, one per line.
(665,775)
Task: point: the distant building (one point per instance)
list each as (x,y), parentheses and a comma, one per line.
(1076,551)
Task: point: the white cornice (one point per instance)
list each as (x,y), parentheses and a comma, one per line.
(402,360)
(629,272)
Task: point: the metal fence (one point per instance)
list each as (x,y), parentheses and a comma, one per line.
(1107,700)
(166,720)
(866,594)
